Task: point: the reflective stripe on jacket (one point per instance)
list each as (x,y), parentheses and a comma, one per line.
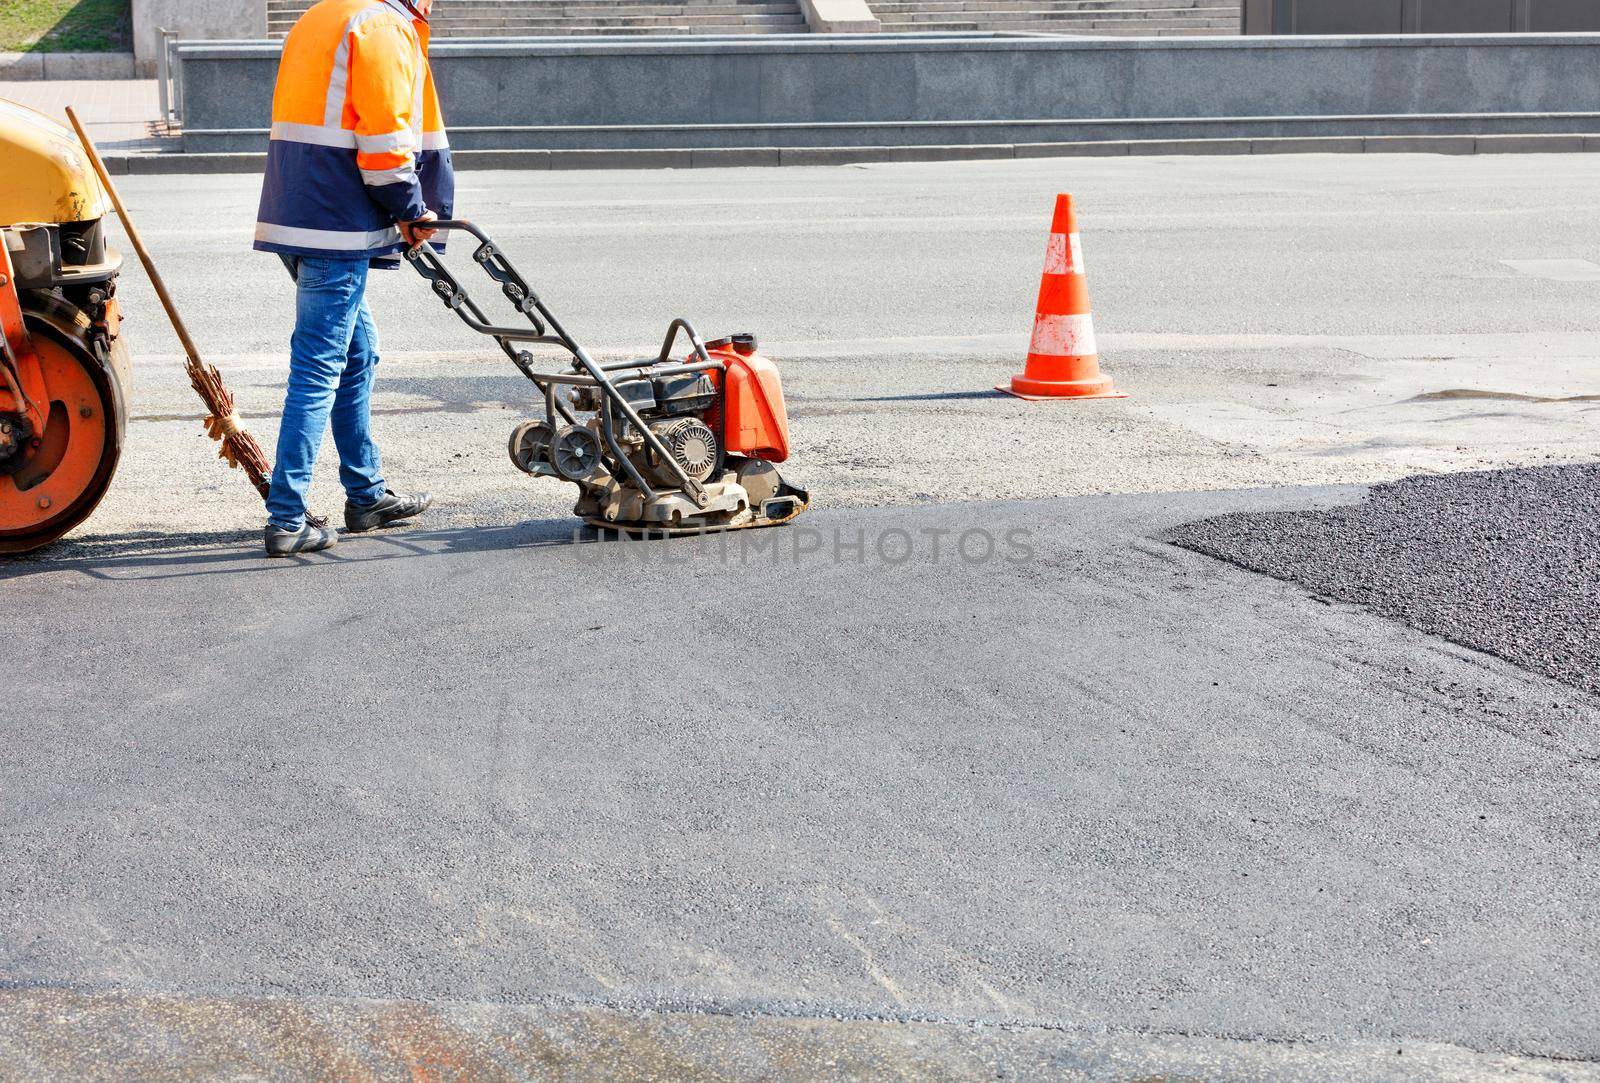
(358,140)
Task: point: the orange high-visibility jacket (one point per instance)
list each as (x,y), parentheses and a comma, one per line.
(358,140)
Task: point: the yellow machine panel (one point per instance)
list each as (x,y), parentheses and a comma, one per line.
(44,174)
(63,363)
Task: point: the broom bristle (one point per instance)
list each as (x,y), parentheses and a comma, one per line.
(239,449)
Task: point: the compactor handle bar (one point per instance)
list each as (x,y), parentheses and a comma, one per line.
(546,330)
(516,289)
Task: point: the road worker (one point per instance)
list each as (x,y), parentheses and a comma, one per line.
(357,167)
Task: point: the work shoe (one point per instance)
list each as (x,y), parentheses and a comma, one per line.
(390,508)
(308,539)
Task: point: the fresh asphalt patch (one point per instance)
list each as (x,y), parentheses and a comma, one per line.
(1502,561)
(866,768)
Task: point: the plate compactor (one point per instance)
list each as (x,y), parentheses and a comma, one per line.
(658,445)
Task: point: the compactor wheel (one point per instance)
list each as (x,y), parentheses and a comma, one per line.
(530,446)
(53,487)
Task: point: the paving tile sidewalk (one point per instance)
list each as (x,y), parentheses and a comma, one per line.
(122,115)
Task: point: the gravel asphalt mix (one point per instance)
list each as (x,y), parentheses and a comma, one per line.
(1503,561)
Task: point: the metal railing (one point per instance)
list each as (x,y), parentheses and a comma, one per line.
(169,86)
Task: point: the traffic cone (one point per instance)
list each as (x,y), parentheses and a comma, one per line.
(1062,360)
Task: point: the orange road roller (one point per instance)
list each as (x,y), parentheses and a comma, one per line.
(63,366)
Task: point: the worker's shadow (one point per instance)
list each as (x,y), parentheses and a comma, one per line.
(155,555)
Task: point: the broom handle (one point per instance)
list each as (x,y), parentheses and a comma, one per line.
(137,242)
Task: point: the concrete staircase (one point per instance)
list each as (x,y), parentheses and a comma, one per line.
(543,18)
(1131,18)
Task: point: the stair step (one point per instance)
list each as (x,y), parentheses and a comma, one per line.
(601,18)
(545,18)
(1024,8)
(1011,20)
(890,6)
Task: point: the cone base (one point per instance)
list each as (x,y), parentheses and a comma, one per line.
(1024,387)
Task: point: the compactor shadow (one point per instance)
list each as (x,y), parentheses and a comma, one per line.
(120,557)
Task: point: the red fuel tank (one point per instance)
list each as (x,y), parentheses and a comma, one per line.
(754,421)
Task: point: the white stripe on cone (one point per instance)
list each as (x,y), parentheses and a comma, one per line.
(1063,255)
(1064,336)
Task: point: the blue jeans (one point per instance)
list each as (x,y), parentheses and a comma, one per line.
(332,359)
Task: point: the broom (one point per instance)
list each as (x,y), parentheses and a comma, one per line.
(239,448)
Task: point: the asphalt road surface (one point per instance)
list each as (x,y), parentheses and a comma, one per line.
(1276,321)
(961,776)
(1094,783)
